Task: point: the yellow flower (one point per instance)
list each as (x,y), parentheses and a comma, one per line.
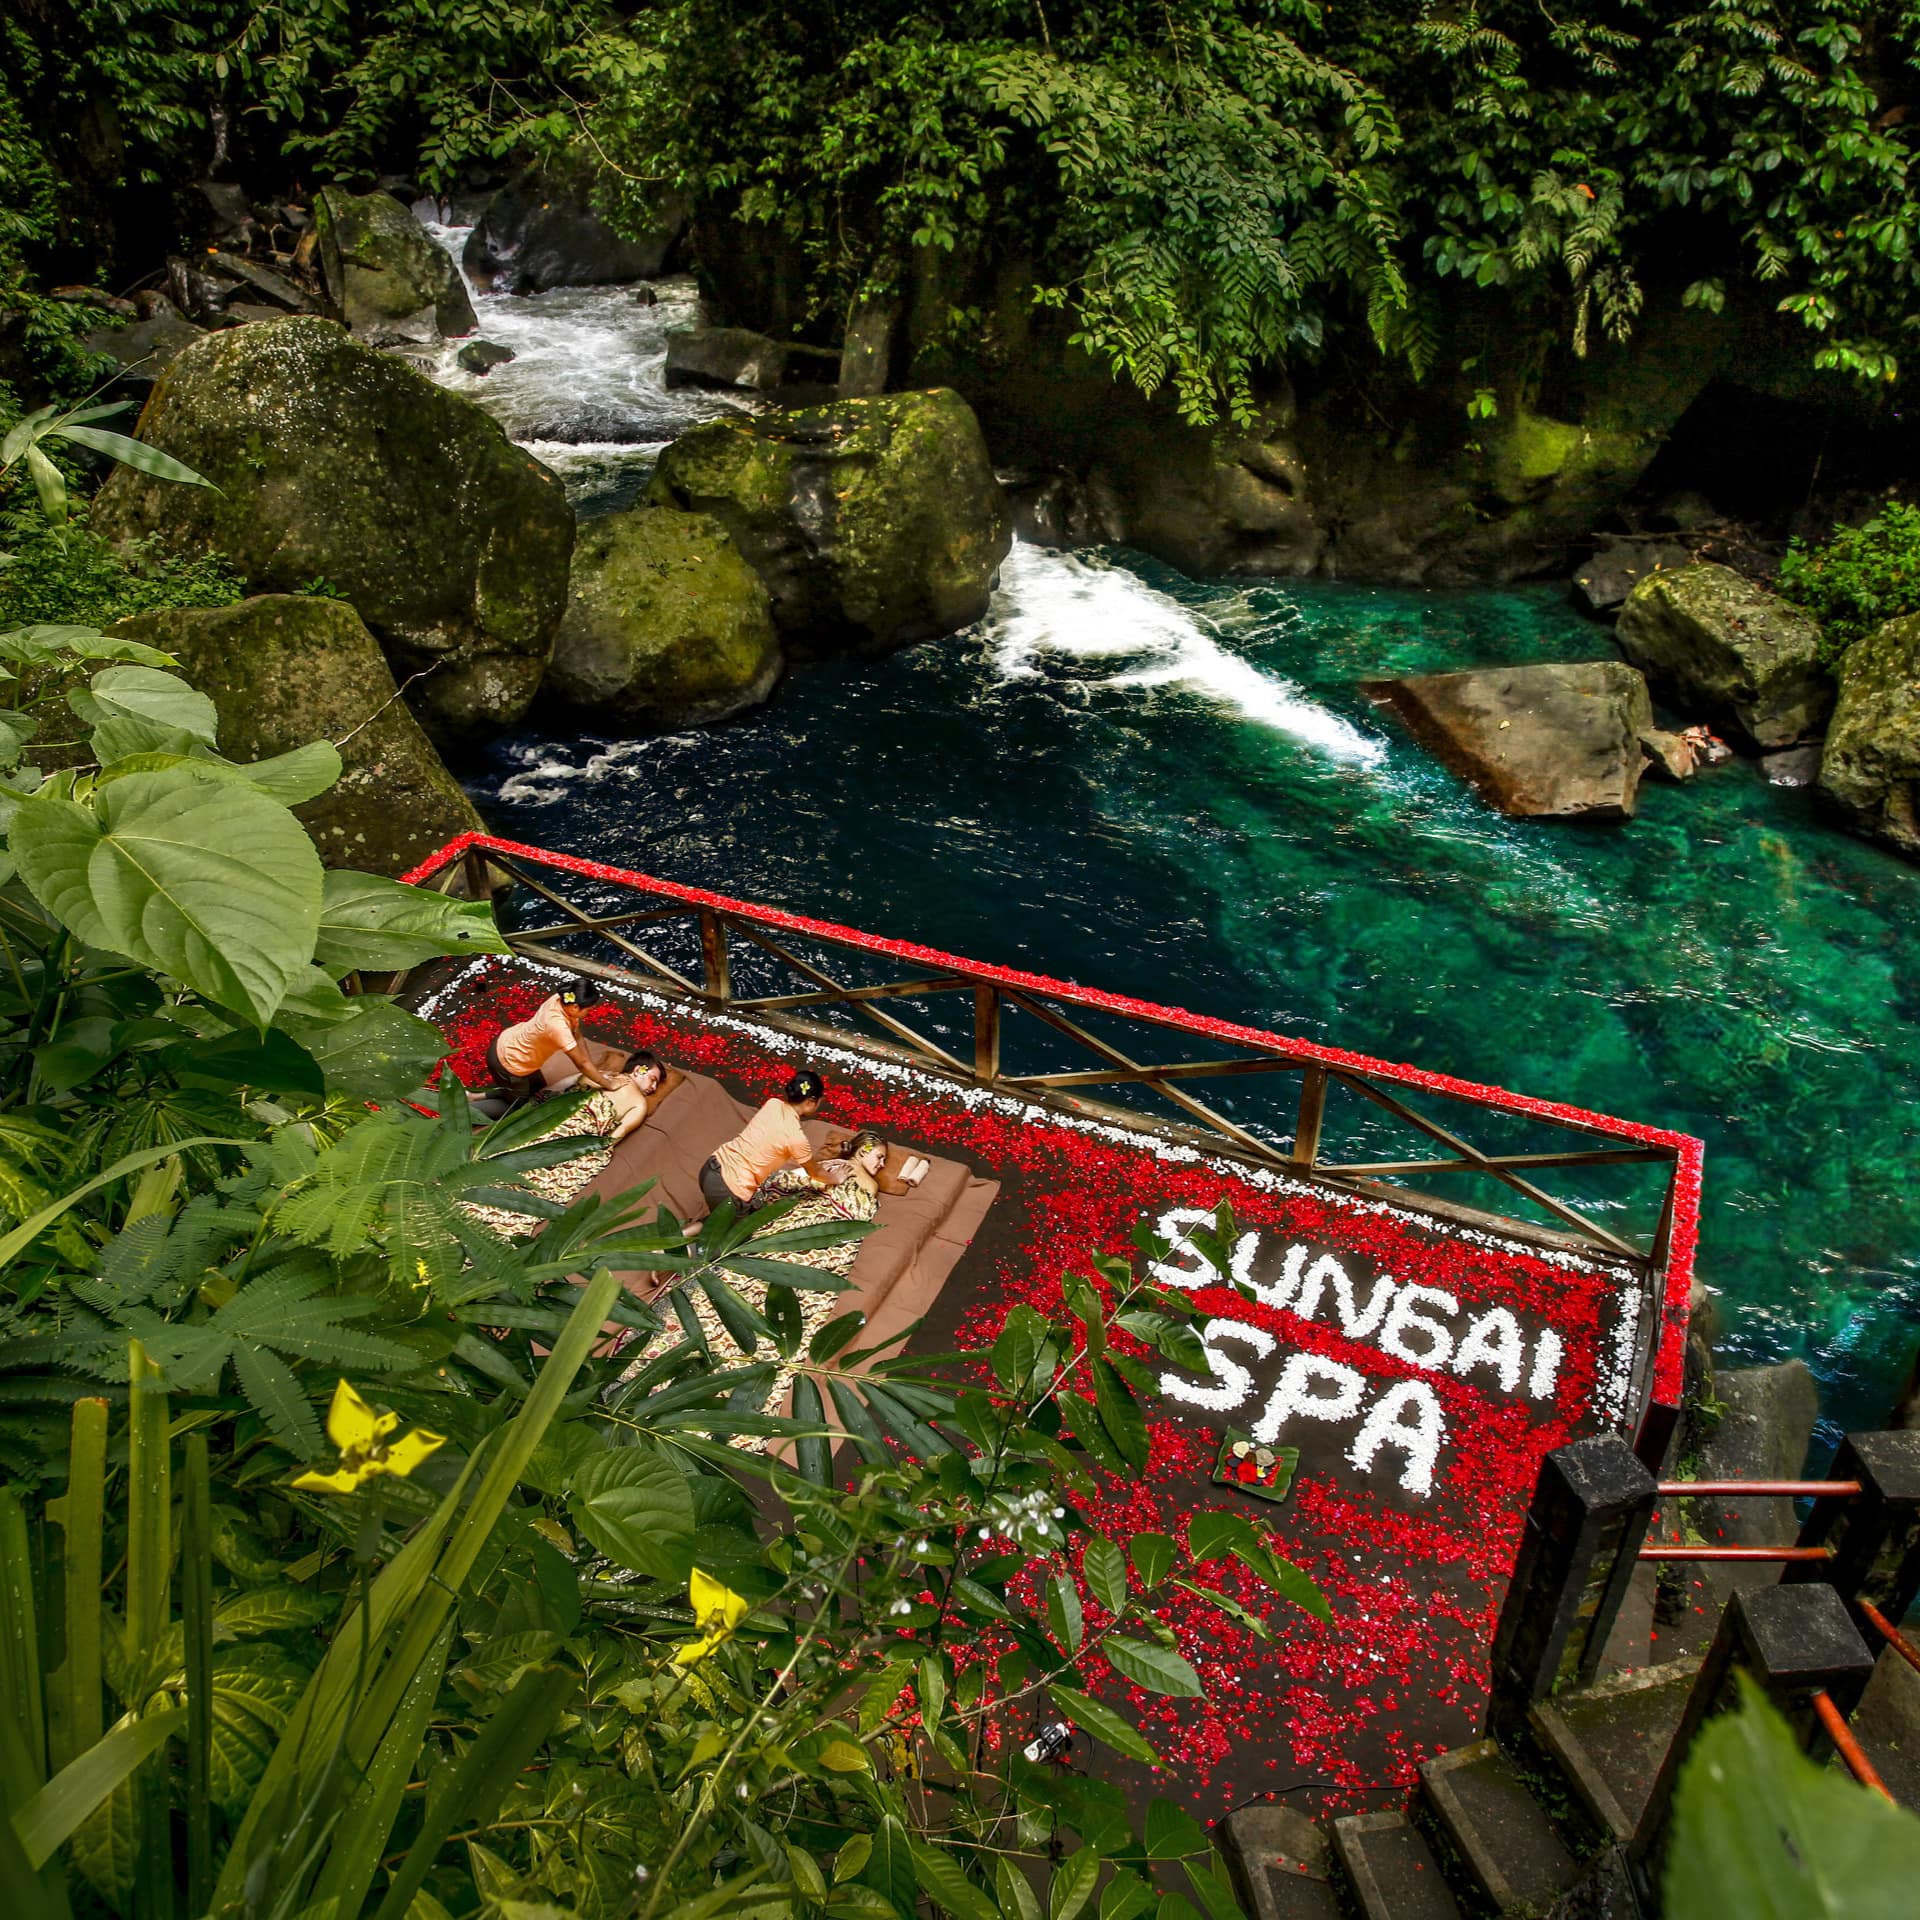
(361,1435)
(717,1610)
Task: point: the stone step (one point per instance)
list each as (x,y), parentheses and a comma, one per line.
(1630,1644)
(1391,1870)
(1278,1862)
(1887,1723)
(1609,1739)
(1504,1835)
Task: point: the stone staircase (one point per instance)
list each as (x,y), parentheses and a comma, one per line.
(1494,1831)
(1537,1823)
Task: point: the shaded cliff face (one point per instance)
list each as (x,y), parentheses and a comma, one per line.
(1497,466)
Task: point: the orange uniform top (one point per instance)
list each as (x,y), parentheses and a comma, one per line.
(527,1048)
(772,1139)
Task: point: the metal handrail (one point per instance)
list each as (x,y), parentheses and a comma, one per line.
(1759,1489)
(1852,1754)
(1736,1553)
(1894,1638)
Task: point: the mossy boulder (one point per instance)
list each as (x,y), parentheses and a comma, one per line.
(873,523)
(1717,642)
(336,463)
(666,625)
(1870,771)
(393,286)
(283,669)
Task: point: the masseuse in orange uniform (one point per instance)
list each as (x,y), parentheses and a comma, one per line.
(769,1143)
(516,1055)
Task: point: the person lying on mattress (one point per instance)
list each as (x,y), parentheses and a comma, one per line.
(855,1178)
(771,1158)
(606,1117)
(517,1056)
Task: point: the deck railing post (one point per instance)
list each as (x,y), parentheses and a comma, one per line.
(1590,1510)
(1874,1535)
(986,1034)
(1795,1642)
(1313,1108)
(715,966)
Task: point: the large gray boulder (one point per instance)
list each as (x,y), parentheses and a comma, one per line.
(393,286)
(284,669)
(1724,646)
(666,626)
(333,462)
(1870,771)
(1542,742)
(540,231)
(873,523)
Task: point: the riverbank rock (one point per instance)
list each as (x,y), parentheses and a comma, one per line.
(393,286)
(738,359)
(333,462)
(482,356)
(539,232)
(1870,771)
(666,625)
(145,348)
(283,669)
(1730,648)
(873,523)
(1542,742)
(1603,582)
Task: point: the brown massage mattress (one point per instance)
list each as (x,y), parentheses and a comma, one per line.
(899,1270)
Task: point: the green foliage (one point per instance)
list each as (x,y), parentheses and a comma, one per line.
(1760,1830)
(79,577)
(213,1228)
(1858,578)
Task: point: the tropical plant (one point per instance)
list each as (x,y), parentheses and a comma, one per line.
(1760,1829)
(1859,577)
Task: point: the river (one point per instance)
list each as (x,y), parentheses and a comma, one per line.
(1172,788)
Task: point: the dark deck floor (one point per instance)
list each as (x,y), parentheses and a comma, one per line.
(1440,1363)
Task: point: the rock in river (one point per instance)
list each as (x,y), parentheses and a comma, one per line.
(286,668)
(873,523)
(1722,644)
(540,231)
(666,625)
(333,462)
(393,286)
(1553,741)
(1870,771)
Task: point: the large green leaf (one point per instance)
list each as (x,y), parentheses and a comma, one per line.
(128,745)
(1097,1718)
(1761,1832)
(1156,1668)
(377,1051)
(71,1796)
(183,872)
(382,925)
(145,693)
(1105,1567)
(636,1509)
(132,453)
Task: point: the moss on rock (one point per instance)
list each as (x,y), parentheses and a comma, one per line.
(283,669)
(393,286)
(1720,643)
(873,523)
(1870,770)
(666,625)
(332,462)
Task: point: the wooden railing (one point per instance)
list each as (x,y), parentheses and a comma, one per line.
(688,943)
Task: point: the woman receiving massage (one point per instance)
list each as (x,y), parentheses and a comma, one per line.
(840,1190)
(771,1158)
(606,1118)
